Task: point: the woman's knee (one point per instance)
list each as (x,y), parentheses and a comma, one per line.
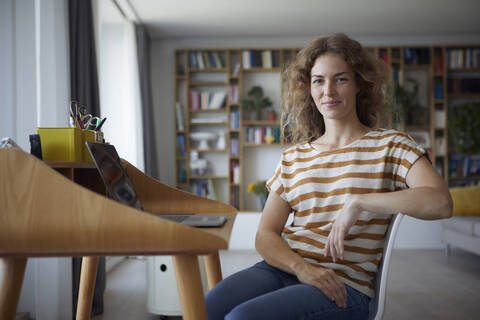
(243,311)
(215,304)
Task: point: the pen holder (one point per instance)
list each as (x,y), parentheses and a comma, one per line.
(65,144)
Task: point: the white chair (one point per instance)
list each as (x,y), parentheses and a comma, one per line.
(377,304)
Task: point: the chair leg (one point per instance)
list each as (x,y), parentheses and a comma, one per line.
(213,269)
(87,286)
(12,271)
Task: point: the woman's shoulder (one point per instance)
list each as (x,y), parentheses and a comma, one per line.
(298,149)
(396,138)
(390,134)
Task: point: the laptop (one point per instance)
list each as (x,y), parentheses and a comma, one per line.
(121,189)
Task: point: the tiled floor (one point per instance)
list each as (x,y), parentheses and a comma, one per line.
(423,284)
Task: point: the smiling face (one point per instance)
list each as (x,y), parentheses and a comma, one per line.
(333,87)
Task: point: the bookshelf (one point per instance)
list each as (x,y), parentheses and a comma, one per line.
(226,75)
(200,76)
(462,86)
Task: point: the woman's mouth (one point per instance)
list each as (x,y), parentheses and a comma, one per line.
(331,103)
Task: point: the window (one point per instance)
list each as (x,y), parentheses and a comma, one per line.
(119,82)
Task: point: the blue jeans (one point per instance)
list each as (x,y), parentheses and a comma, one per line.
(265,292)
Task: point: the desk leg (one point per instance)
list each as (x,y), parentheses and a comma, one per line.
(11,278)
(213,268)
(87,285)
(190,288)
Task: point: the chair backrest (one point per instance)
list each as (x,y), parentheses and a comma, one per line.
(377,304)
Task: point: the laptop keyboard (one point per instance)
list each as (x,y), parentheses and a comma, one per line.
(175,217)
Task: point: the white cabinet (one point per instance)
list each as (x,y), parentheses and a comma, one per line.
(162,286)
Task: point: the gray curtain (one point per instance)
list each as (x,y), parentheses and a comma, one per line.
(84,89)
(83,62)
(149,147)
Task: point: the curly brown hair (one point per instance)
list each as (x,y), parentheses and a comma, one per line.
(301,120)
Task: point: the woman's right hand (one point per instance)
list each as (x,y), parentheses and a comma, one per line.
(324,279)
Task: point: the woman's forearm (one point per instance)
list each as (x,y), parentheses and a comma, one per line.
(427,203)
(276,252)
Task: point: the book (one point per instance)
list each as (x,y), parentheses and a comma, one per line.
(440,147)
(256,58)
(194,96)
(267,59)
(217,100)
(200,62)
(235,119)
(236,69)
(246,59)
(211,59)
(439,64)
(438,90)
(234,147)
(233,93)
(179,116)
(193,60)
(206,60)
(181,145)
(218,60)
(211,194)
(205,100)
(439,119)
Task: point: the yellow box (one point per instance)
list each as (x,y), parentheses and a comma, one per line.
(65,144)
(87,135)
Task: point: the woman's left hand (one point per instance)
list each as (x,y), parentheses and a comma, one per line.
(345,220)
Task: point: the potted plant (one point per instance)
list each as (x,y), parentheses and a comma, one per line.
(259,188)
(463,128)
(407,106)
(255,103)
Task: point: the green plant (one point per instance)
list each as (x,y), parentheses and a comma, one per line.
(256,101)
(464,127)
(406,104)
(259,188)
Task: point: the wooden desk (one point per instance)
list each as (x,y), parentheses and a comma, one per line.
(45,214)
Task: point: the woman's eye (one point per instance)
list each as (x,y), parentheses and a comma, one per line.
(340,80)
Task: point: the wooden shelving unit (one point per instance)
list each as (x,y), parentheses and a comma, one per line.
(228,69)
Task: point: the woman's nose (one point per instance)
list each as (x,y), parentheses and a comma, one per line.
(329,88)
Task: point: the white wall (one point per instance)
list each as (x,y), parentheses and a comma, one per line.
(413,233)
(34,90)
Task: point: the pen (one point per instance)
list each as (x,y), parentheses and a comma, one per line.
(101,124)
(80,123)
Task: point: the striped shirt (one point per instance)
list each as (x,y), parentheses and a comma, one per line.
(316,184)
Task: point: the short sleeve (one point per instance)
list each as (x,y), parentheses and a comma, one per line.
(275,183)
(409,152)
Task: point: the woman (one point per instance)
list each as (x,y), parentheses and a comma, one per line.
(343,180)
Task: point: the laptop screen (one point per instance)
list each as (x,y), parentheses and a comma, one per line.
(113,174)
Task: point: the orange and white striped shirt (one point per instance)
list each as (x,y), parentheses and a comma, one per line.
(316,184)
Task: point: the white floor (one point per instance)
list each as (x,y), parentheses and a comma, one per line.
(423,284)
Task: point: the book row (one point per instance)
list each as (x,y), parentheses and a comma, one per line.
(464,165)
(235,119)
(205,60)
(233,95)
(234,172)
(262,135)
(463,85)
(204,100)
(234,147)
(260,59)
(203,188)
(464,58)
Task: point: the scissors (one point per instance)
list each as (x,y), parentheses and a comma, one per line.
(75,114)
(90,122)
(81,118)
